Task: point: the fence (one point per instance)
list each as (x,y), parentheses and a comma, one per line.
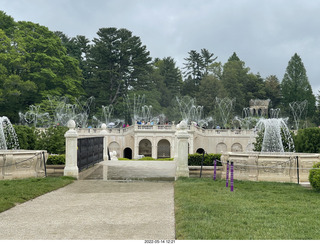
(90,152)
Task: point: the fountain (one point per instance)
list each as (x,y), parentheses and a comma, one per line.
(35,117)
(8,136)
(274,131)
(63,111)
(225,106)
(190,112)
(297,109)
(16,163)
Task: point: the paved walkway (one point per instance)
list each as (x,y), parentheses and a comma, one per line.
(95,209)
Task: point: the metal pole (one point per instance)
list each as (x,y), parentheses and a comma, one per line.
(215,169)
(44,163)
(227,176)
(202,164)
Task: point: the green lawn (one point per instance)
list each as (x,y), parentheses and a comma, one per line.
(207,210)
(13,192)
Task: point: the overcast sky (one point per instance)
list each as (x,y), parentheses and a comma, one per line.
(265,34)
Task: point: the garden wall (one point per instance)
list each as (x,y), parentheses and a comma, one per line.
(17,164)
(270,166)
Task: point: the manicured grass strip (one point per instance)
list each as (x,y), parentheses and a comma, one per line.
(13,192)
(207,210)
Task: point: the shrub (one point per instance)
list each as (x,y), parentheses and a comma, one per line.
(308,140)
(123,159)
(52,139)
(196,159)
(26,136)
(56,159)
(314,177)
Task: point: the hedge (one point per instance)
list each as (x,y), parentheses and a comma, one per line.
(196,159)
(56,159)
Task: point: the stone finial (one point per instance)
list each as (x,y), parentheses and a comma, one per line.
(71,124)
(103,126)
(183,125)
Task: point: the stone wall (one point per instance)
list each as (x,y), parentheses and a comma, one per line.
(270,167)
(17,164)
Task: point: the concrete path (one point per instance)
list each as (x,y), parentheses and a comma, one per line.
(95,209)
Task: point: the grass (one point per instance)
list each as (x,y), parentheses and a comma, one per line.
(207,210)
(13,192)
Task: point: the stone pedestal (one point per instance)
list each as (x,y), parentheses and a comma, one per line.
(182,157)
(71,168)
(104,133)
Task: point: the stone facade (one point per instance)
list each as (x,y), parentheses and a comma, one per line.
(259,107)
(159,141)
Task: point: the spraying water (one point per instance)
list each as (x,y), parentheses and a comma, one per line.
(8,136)
(274,131)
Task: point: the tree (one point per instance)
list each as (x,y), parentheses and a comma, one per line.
(234,77)
(273,91)
(118,63)
(210,88)
(33,64)
(197,65)
(168,79)
(295,85)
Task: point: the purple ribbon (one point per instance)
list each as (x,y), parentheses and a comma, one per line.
(215,170)
(231,177)
(227,176)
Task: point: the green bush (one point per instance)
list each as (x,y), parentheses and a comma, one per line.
(52,139)
(26,136)
(196,159)
(123,159)
(314,177)
(56,159)
(308,140)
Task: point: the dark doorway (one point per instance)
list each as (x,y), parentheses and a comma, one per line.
(127,153)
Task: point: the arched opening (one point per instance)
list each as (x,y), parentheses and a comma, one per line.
(200,150)
(114,146)
(221,147)
(127,153)
(145,148)
(163,149)
(236,147)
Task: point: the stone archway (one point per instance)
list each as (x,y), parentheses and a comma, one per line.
(145,148)
(163,149)
(114,146)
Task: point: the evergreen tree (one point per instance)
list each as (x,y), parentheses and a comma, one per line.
(234,77)
(273,91)
(118,63)
(295,85)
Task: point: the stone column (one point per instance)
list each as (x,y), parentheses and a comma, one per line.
(71,168)
(182,144)
(104,133)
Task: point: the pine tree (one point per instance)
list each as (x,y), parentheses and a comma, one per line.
(295,85)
